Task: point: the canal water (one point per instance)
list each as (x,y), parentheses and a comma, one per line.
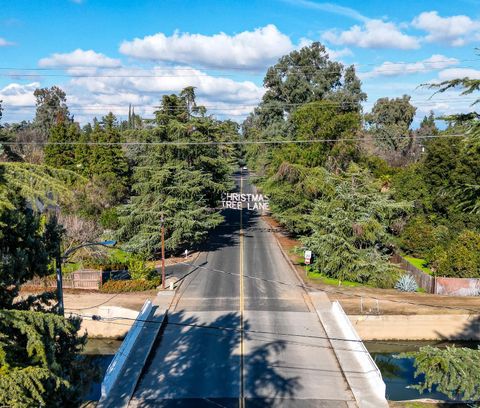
(398,374)
(101,353)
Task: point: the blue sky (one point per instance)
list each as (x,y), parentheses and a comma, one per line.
(106,54)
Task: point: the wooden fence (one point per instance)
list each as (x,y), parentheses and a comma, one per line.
(424,280)
(90,279)
(439,285)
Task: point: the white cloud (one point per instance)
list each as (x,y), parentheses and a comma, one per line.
(330,8)
(18,101)
(248,49)
(79,58)
(15,94)
(455,30)
(160,80)
(114,89)
(453,73)
(435,62)
(5,43)
(373,34)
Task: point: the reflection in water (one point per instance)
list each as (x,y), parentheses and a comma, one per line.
(398,373)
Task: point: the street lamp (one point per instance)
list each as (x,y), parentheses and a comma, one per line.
(62,258)
(162,221)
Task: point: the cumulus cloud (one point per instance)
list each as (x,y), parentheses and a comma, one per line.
(158,80)
(248,49)
(373,34)
(5,43)
(16,94)
(79,58)
(455,30)
(435,62)
(18,101)
(453,73)
(115,88)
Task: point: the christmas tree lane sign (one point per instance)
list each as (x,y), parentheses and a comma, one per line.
(237,201)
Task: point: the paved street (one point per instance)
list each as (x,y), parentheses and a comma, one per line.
(280,358)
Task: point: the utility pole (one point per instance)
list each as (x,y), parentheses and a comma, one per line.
(58,266)
(163,252)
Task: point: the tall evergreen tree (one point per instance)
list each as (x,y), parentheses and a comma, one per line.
(181,182)
(104,159)
(390,121)
(60,152)
(51,108)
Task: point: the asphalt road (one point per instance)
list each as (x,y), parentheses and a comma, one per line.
(241,331)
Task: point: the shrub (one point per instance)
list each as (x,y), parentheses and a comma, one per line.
(104,263)
(462,257)
(135,285)
(109,219)
(406,284)
(139,270)
(417,237)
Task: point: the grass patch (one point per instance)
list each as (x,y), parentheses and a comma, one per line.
(330,281)
(418,263)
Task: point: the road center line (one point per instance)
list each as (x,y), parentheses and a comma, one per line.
(241,402)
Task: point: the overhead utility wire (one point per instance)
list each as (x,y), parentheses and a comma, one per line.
(213,143)
(228,330)
(323,104)
(152,325)
(61,67)
(378,71)
(304,286)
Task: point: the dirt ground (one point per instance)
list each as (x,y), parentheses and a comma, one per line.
(367,300)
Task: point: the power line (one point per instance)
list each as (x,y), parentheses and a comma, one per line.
(321,104)
(215,143)
(253,335)
(304,286)
(379,71)
(216,69)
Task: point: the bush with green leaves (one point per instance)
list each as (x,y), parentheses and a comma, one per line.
(406,284)
(453,371)
(417,237)
(461,259)
(138,269)
(135,285)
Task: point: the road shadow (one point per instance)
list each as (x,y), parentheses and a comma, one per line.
(197,364)
(227,234)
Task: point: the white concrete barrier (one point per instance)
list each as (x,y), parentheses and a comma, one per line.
(118,361)
(360,352)
(361,373)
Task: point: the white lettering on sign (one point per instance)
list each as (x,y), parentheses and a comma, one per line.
(237,201)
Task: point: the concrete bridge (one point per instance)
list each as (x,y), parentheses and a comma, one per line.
(242,331)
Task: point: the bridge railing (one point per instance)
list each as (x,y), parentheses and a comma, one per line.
(118,362)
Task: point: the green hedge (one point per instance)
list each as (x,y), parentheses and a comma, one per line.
(134,285)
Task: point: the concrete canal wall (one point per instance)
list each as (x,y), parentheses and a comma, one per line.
(417,327)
